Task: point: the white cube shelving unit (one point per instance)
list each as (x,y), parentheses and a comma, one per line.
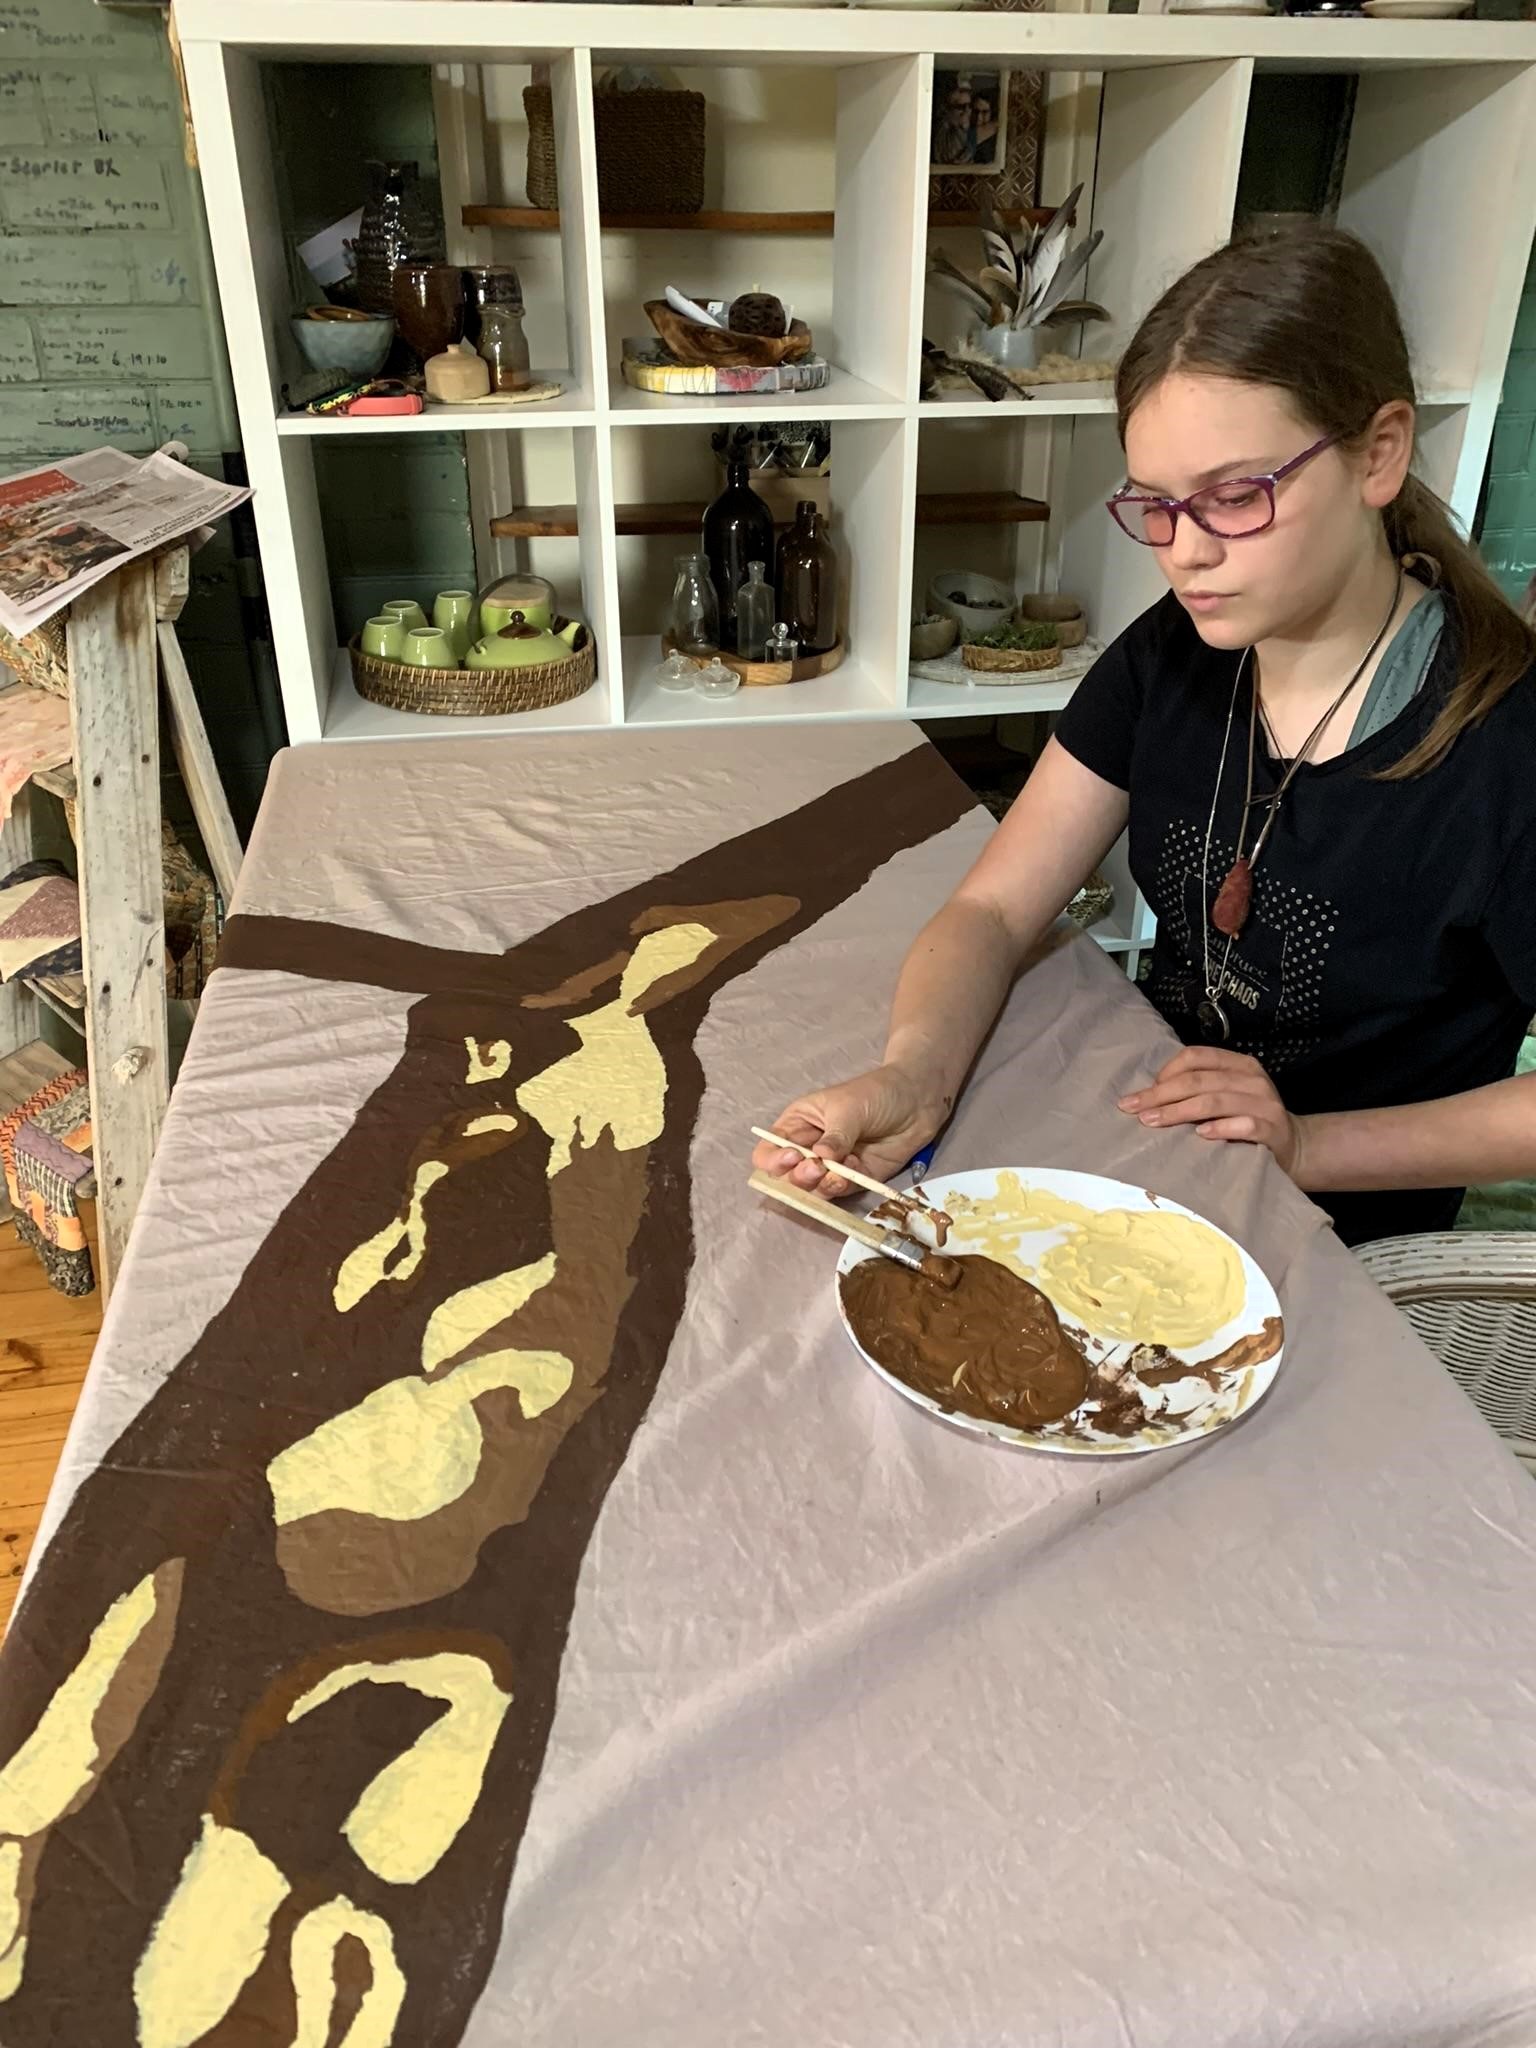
(1440,178)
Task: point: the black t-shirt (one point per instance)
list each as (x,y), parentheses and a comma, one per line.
(1390,952)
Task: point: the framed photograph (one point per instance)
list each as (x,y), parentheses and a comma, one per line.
(970,124)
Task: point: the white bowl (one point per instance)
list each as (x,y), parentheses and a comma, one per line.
(973,619)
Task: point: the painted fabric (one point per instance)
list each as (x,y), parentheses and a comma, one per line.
(45,1156)
(39,921)
(34,733)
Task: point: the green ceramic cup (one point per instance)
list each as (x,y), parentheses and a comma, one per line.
(384,637)
(406,610)
(429,647)
(454,611)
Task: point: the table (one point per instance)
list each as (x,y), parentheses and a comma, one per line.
(484,1599)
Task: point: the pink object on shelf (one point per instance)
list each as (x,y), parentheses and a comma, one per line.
(407,401)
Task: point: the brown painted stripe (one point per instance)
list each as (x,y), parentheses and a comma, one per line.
(186,1478)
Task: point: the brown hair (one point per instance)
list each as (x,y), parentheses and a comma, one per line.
(1310,313)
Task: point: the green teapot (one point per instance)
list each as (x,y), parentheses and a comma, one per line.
(519,645)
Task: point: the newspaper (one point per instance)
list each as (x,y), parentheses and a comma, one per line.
(65,527)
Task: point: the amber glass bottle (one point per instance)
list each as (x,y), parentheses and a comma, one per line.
(738,530)
(808,582)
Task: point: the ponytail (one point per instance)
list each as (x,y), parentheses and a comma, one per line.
(1496,646)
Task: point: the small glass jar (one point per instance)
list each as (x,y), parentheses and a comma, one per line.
(504,346)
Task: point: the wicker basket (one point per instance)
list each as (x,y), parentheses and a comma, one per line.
(473,692)
(1064,613)
(650,150)
(40,658)
(1009,661)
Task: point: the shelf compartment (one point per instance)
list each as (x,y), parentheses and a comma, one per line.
(934,508)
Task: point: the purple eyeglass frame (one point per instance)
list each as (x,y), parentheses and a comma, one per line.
(1174,506)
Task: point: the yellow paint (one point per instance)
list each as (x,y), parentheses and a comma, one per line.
(616,1080)
(480,1125)
(408,1816)
(312,1963)
(56,1762)
(209,1939)
(466,1316)
(362,1270)
(411,1446)
(1142,1274)
(1146,1274)
(13,1943)
(490,1065)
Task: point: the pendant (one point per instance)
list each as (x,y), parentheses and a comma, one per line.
(1212,1019)
(1229,913)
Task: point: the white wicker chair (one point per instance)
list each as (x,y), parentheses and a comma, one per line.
(1472,1297)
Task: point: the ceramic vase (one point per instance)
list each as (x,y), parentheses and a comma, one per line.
(397,227)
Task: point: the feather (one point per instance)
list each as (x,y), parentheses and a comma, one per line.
(947,272)
(998,244)
(1051,246)
(989,382)
(687,310)
(1067,272)
(1071,312)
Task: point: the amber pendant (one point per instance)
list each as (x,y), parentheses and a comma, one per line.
(1229,913)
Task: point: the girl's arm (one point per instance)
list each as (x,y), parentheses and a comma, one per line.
(956,976)
(1487,1134)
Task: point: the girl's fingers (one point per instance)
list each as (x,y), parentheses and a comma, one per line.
(1196,1109)
(1242,1129)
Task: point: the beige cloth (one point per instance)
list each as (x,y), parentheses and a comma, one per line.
(870,1735)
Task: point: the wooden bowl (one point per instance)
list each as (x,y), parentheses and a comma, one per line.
(933,638)
(768,674)
(1049,608)
(716,348)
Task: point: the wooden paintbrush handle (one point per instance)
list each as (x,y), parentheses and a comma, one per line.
(818,1210)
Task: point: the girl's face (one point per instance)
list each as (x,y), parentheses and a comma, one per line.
(1194,429)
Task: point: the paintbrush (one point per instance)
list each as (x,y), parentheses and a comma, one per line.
(889,1244)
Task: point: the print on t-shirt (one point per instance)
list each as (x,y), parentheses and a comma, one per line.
(1274,972)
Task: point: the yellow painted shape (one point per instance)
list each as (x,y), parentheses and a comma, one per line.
(467,1315)
(408,1816)
(13,1943)
(312,1964)
(478,1126)
(410,1447)
(362,1270)
(1146,1274)
(615,1081)
(209,1939)
(490,1065)
(54,1765)
(1142,1274)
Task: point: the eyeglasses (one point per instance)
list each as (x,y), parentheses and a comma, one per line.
(1233,510)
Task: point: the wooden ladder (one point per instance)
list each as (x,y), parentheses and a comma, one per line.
(121,633)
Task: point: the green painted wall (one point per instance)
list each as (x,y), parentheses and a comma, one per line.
(1507,528)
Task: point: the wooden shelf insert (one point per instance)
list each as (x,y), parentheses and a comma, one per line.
(934,508)
(543,220)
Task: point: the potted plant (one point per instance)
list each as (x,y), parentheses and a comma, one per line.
(1023,282)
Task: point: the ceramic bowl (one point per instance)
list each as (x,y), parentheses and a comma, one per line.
(977,604)
(933,638)
(351,348)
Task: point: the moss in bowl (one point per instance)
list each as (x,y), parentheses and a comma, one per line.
(1014,649)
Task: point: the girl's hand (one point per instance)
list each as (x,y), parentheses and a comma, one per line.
(875,1122)
(1224,1095)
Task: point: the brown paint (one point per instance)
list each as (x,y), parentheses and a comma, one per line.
(577,987)
(187,1476)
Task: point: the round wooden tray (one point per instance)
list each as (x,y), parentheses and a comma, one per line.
(767,674)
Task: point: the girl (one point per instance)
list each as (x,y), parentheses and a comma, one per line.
(1324,741)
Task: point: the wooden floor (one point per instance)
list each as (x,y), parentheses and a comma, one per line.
(44,1350)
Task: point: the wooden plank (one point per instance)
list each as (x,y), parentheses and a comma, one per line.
(59,782)
(114,714)
(194,757)
(542,220)
(934,508)
(64,994)
(173,582)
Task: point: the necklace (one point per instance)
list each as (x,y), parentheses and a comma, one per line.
(1233,900)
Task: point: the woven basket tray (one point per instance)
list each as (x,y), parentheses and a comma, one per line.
(473,692)
(650,150)
(1009,661)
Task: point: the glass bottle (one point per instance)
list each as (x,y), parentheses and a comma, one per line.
(738,529)
(693,621)
(754,614)
(808,582)
(503,346)
(488,284)
(397,227)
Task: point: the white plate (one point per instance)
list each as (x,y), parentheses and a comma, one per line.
(1075,1436)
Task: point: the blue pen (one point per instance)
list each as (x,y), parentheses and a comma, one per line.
(920,1162)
